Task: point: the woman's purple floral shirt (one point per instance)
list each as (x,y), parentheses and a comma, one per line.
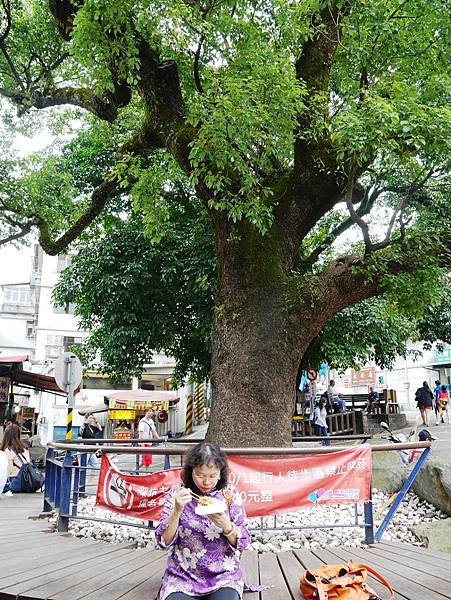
(200,559)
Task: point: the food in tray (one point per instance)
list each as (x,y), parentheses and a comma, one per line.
(205,500)
(209,506)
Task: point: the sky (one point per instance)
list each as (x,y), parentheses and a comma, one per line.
(15,265)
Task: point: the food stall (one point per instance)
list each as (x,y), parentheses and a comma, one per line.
(127,407)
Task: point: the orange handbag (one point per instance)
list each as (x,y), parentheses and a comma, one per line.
(346,581)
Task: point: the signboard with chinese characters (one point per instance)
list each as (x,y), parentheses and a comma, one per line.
(138,404)
(122,415)
(364,377)
(4,389)
(27,412)
(267,486)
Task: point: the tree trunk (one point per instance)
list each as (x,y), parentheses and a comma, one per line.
(256,344)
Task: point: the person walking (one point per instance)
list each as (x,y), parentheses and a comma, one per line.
(146,430)
(436,391)
(424,398)
(203,549)
(319,421)
(442,405)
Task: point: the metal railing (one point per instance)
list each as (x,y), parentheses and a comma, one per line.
(66,479)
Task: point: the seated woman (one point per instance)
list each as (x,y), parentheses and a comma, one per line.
(17,454)
(204,550)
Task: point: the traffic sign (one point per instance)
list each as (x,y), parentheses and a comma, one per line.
(68,372)
(312,374)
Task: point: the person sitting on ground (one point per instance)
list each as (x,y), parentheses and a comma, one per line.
(424,398)
(203,560)
(17,454)
(373,400)
(335,398)
(442,405)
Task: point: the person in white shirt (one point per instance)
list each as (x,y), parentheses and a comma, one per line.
(319,421)
(146,430)
(335,397)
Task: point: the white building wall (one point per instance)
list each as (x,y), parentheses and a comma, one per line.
(406,376)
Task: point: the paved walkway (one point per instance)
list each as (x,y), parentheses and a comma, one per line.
(37,563)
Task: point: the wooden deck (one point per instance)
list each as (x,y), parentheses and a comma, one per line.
(35,563)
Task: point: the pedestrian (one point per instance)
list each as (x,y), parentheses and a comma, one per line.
(204,550)
(320,422)
(90,430)
(443,400)
(335,398)
(16,454)
(436,391)
(146,430)
(424,398)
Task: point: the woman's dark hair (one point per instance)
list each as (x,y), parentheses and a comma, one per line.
(443,388)
(425,385)
(11,439)
(205,454)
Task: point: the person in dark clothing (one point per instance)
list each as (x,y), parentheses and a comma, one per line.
(90,430)
(424,398)
(373,400)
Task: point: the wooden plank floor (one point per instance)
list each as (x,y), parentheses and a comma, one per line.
(36,563)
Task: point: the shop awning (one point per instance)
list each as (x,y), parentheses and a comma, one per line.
(20,358)
(12,367)
(36,381)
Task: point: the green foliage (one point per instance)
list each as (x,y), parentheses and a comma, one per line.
(137,298)
(269,143)
(362,333)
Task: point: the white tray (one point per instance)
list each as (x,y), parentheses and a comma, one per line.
(210,509)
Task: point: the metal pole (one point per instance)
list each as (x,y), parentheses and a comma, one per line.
(402,492)
(369,521)
(49,480)
(189,414)
(66,481)
(70,397)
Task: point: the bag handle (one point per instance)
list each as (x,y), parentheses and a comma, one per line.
(321,588)
(375,574)
(21,458)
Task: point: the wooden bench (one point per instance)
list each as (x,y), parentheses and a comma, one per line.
(360,402)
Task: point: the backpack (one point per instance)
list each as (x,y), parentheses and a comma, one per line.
(346,581)
(31,480)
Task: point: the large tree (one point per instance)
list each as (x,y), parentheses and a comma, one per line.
(291,122)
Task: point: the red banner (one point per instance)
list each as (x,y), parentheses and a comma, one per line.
(268,486)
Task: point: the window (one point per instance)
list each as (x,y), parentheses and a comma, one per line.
(70,341)
(30,329)
(17,295)
(66,309)
(63,262)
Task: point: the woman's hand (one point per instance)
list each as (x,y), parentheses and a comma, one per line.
(221,521)
(181,499)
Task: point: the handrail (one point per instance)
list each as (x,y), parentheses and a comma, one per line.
(183,440)
(105,449)
(65,482)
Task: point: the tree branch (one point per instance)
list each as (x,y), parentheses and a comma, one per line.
(370,247)
(365,207)
(103,107)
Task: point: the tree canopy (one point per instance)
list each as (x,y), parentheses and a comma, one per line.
(290,122)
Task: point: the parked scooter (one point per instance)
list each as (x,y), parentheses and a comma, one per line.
(399,438)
